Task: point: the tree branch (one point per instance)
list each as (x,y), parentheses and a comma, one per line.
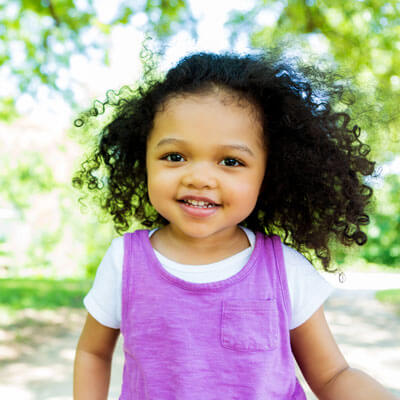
(53,13)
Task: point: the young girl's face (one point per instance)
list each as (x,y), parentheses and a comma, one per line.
(206,149)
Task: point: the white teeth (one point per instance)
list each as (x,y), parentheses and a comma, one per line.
(200,204)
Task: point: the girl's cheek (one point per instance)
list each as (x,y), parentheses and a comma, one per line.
(163,174)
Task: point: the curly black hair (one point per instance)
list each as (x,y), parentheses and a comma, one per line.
(313,190)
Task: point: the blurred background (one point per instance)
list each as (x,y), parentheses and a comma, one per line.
(58,56)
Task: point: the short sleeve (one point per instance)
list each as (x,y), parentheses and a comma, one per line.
(103,301)
(308,289)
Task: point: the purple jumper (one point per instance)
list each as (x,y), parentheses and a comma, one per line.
(206,341)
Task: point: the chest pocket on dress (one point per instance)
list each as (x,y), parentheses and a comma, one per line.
(249,325)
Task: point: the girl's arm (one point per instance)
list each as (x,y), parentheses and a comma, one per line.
(93,360)
(324,367)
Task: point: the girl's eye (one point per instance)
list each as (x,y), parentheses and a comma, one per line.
(174,157)
(231,162)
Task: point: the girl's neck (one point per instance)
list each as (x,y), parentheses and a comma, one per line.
(195,251)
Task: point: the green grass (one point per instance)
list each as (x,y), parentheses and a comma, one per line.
(18,294)
(390,297)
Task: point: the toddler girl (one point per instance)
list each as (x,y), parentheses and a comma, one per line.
(226,161)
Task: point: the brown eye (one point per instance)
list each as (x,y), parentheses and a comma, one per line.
(173,157)
(231,162)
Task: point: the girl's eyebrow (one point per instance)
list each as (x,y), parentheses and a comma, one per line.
(240,147)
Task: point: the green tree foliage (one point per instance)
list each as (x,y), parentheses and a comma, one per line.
(383,246)
(363,37)
(30,176)
(38,37)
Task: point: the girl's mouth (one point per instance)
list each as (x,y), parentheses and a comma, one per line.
(198,204)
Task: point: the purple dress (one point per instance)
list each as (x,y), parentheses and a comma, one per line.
(206,341)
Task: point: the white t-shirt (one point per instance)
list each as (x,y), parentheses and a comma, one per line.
(308,290)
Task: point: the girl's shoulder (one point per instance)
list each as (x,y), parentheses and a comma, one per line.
(292,257)
(294,260)
(116,251)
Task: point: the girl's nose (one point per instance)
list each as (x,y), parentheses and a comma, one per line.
(200,177)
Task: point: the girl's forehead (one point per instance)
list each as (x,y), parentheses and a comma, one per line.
(221,108)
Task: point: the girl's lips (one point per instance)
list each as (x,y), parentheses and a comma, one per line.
(198,212)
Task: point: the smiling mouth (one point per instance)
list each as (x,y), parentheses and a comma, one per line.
(198,204)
